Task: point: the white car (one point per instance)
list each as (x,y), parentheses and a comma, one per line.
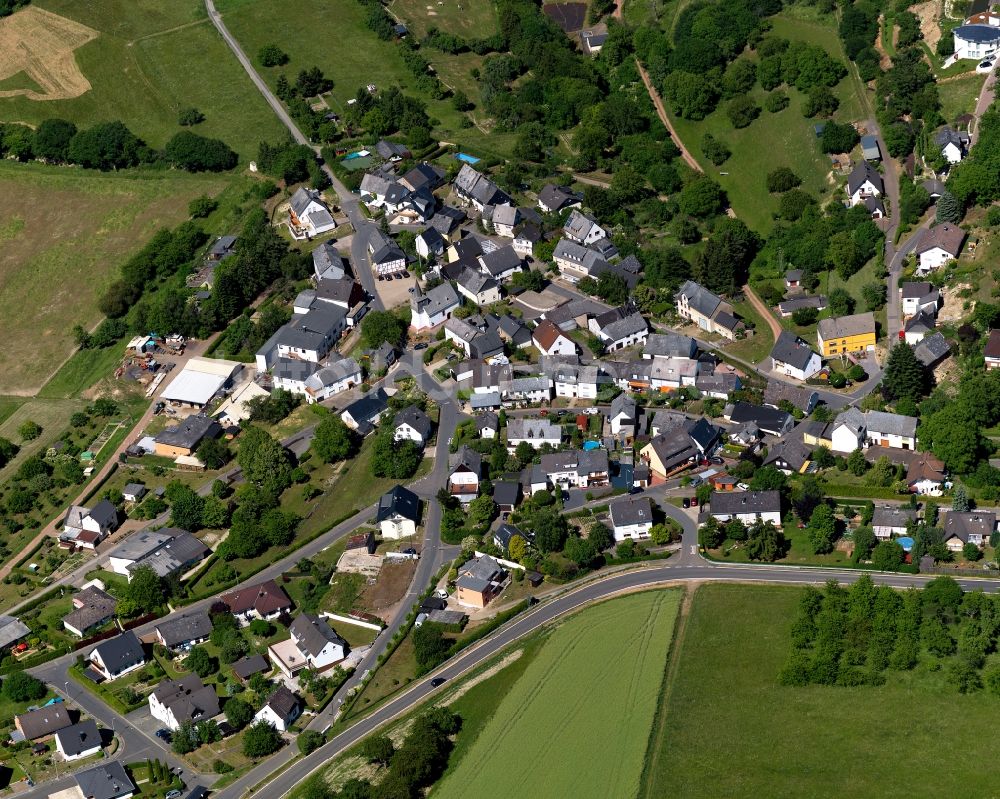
(743,486)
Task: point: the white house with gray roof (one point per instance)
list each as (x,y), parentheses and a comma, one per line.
(412,424)
(339,374)
(631,517)
(478,287)
(535,432)
(434,307)
(793,357)
(501,264)
(891,430)
(328,264)
(669,345)
(575,261)
(308,215)
(619,329)
(583,229)
(747,506)
(475,189)
(706,310)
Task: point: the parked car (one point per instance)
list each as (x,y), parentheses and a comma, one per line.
(743,486)
(174,794)
(163,735)
(694,502)
(686,502)
(421,346)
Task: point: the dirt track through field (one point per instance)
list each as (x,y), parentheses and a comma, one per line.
(41,45)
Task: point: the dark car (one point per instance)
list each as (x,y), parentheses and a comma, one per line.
(163,735)
(438,681)
(686,502)
(635,490)
(421,346)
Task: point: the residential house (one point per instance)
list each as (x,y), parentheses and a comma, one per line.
(133,492)
(771,421)
(308,215)
(117,656)
(463,482)
(385,256)
(619,329)
(972,527)
(864,183)
(593,39)
(87,527)
(669,345)
(976,40)
(706,310)
(448,221)
(991,352)
(513,331)
(481,289)
(669,451)
(718,386)
(553,198)
(571,380)
(793,278)
(412,424)
(747,506)
(623,416)
(398,513)
(937,246)
(480,581)
(246,667)
(526,237)
(340,374)
(176,702)
(582,229)
(932,349)
(316,644)
(431,309)
(42,722)
(501,264)
(793,357)
(869,148)
(392,151)
(477,342)
(848,432)
(534,432)
(430,243)
(280,710)
(465,250)
(631,517)
(918,327)
(892,521)
(844,334)
(550,340)
(575,261)
(504,533)
(106,781)
(344,292)
(953,144)
(576,468)
(424,176)
(926,476)
(261,601)
(475,189)
(506,495)
(222,248)
(505,218)
(92,608)
(176,554)
(136,547)
(487,424)
(801,398)
(78,741)
(524,390)
(328,263)
(919,298)
(363,414)
(788,307)
(185,631)
(891,430)
(789,454)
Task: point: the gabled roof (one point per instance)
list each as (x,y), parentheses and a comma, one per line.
(506,531)
(861,173)
(487,420)
(189,433)
(767,419)
(792,350)
(626,326)
(246,667)
(415,418)
(399,501)
(921,322)
(479,187)
(500,260)
(506,492)
(931,349)
(800,396)
(670,345)
(283,702)
(78,738)
(845,326)
(526,428)
(92,606)
(312,634)
(546,334)
(961,525)
(44,720)
(893,516)
(106,781)
(436,301)
(467,459)
(852,419)
(700,298)
(478,573)
(891,424)
(184,628)
(918,291)
(302,198)
(266,598)
(120,652)
(369,407)
(626,511)
(555,198)
(947,135)
(188,699)
(737,502)
(578,225)
(945,236)
(475,282)
(624,404)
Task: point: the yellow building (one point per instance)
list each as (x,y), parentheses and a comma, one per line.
(846,334)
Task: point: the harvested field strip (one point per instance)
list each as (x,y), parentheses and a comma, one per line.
(577,722)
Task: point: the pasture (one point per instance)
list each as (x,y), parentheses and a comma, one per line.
(64,234)
(726,728)
(140,61)
(577,721)
(772,140)
(472,19)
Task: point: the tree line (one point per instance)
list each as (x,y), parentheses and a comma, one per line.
(111,146)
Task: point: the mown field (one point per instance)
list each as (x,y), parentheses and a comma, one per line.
(773,140)
(150,60)
(728,729)
(577,721)
(64,234)
(334,37)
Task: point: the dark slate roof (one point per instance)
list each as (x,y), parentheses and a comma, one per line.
(283,702)
(500,260)
(979,34)
(244,668)
(631,510)
(189,699)
(120,652)
(946,236)
(44,721)
(399,501)
(185,628)
(96,607)
(415,418)
(734,502)
(312,634)
(862,172)
(892,516)
(792,350)
(266,598)
(106,781)
(699,298)
(190,432)
(79,738)
(556,197)
(917,290)
(778,390)
(670,345)
(369,407)
(931,349)
(468,459)
(506,493)
(770,420)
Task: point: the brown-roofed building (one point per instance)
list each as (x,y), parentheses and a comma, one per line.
(43,722)
(992,350)
(550,340)
(262,601)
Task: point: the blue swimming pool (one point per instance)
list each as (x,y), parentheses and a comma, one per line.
(906,543)
(468,159)
(352,156)
(589,445)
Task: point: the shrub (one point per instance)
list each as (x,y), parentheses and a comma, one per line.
(776,102)
(271,55)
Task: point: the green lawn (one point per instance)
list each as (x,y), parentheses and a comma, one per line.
(756,347)
(959,96)
(799,552)
(578,719)
(727,728)
(468,18)
(52,415)
(773,140)
(58,259)
(151,60)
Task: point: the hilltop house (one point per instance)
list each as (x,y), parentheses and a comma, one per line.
(864,183)
(919,298)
